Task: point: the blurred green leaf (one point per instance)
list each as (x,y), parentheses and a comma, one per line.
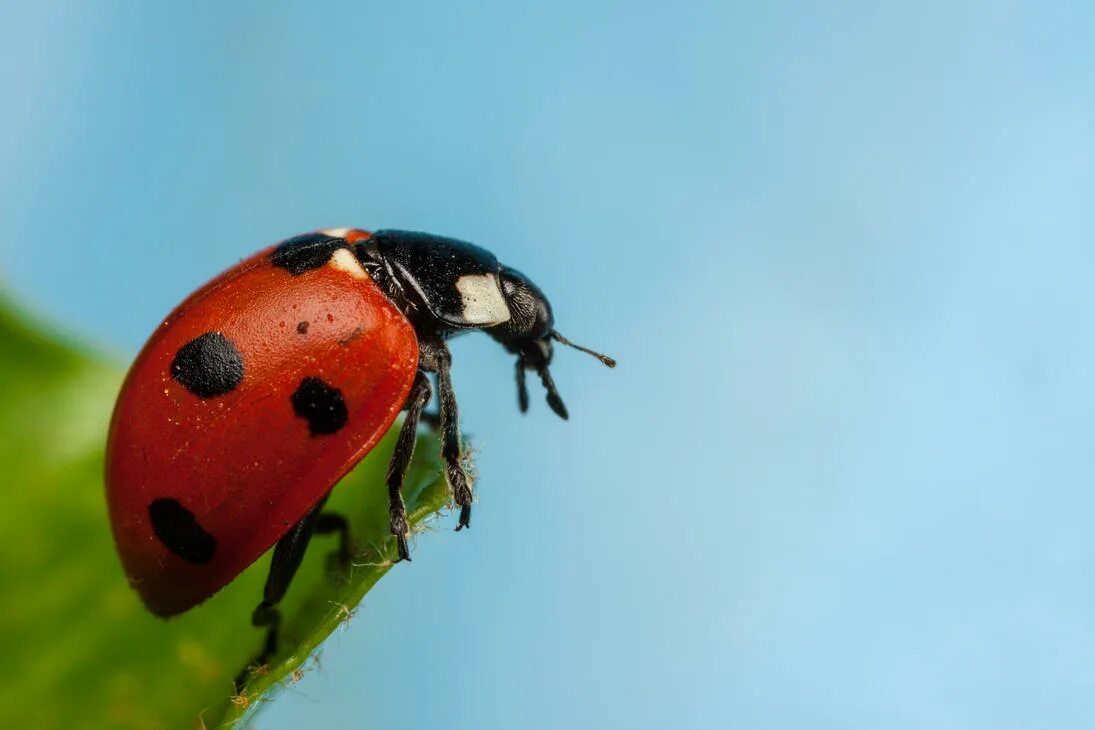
(80,648)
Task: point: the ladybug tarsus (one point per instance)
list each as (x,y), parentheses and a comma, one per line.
(403,553)
(270,617)
(465,518)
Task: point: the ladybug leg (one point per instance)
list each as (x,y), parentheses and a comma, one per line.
(553,398)
(431,420)
(441,360)
(288,554)
(522,389)
(401,457)
(329,522)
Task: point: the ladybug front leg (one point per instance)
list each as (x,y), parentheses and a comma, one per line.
(522,389)
(401,457)
(553,398)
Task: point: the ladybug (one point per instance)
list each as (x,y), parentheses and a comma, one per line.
(268,384)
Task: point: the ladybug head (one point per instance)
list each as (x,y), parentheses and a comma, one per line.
(444,285)
(529,333)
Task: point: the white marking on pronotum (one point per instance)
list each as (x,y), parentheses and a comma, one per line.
(482,299)
(335,232)
(346,262)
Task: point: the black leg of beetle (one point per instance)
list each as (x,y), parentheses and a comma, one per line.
(288,554)
(450,436)
(401,457)
(522,389)
(553,398)
(431,420)
(329,522)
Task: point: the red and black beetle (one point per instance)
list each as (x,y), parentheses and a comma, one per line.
(269,383)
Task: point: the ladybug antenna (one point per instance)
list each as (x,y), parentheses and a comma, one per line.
(564,341)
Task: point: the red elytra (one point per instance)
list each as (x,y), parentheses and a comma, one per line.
(244,464)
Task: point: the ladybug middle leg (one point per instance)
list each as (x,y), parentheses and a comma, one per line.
(434,356)
(431,420)
(401,458)
(329,522)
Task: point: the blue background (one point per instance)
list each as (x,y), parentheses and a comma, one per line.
(842,477)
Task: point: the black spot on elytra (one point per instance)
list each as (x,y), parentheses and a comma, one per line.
(302,327)
(209,365)
(305,252)
(175,526)
(321,405)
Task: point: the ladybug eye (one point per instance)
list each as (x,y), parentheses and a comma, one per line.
(529,308)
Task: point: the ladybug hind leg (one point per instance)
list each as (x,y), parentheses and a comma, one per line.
(287,557)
